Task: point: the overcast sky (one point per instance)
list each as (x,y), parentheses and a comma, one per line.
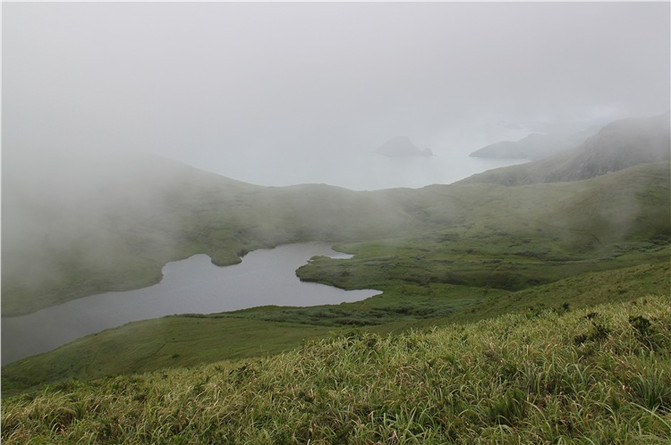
(280,93)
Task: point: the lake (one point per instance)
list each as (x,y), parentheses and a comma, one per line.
(193,285)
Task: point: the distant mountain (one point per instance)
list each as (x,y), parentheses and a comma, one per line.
(619,145)
(535,146)
(401,146)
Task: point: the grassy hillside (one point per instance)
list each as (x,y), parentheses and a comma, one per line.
(187,340)
(514,237)
(593,375)
(168,342)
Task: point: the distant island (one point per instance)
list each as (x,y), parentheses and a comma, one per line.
(401,147)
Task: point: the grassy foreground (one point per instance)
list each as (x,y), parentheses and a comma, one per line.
(593,375)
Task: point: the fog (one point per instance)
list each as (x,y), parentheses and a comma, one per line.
(278,94)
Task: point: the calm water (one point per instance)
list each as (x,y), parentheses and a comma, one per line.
(193,285)
(362,171)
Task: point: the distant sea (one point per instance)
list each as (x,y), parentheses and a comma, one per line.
(366,171)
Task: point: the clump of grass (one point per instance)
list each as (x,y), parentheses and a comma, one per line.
(518,378)
(652,389)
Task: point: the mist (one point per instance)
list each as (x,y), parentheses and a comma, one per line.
(280,94)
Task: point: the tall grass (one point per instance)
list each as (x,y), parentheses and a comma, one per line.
(594,375)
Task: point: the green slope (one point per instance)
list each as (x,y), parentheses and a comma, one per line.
(594,375)
(515,237)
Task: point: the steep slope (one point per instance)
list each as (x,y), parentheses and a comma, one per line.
(619,145)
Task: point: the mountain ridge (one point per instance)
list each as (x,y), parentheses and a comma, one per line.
(620,144)
(534,146)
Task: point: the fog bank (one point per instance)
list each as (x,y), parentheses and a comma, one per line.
(279,93)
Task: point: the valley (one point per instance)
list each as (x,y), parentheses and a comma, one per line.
(335,223)
(447,258)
